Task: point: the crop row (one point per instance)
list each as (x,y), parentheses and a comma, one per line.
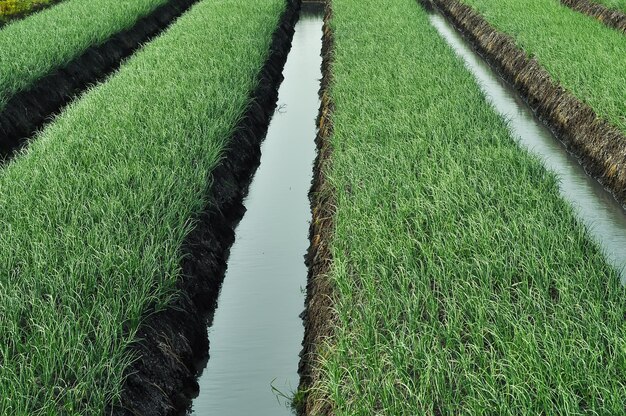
(461,282)
(94,212)
(599,143)
(584,56)
(34,47)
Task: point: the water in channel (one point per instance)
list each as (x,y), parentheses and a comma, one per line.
(599,211)
(256,333)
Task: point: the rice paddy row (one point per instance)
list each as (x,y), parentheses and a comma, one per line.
(586,57)
(462,282)
(45,41)
(94,212)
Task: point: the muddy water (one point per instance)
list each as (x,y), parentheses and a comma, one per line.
(599,211)
(256,333)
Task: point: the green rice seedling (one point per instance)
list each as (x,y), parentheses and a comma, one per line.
(586,57)
(94,212)
(462,282)
(31,48)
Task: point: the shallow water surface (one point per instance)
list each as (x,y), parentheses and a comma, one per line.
(257,333)
(596,208)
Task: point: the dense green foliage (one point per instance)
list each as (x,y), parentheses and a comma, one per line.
(31,48)
(94,212)
(463,282)
(583,55)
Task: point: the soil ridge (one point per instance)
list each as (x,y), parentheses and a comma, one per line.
(29,110)
(318,314)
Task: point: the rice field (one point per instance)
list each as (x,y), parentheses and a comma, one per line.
(46,41)
(447,274)
(586,57)
(461,282)
(94,212)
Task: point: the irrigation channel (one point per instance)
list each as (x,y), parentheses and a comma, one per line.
(256,333)
(603,216)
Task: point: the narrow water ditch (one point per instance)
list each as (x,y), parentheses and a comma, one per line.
(256,333)
(596,208)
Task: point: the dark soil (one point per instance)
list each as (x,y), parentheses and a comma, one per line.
(599,146)
(610,17)
(171,343)
(29,110)
(318,315)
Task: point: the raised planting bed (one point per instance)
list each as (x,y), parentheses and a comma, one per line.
(604,10)
(116,221)
(566,66)
(448,276)
(50,75)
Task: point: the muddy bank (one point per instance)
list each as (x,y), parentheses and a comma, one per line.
(610,17)
(318,316)
(170,343)
(28,111)
(599,146)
